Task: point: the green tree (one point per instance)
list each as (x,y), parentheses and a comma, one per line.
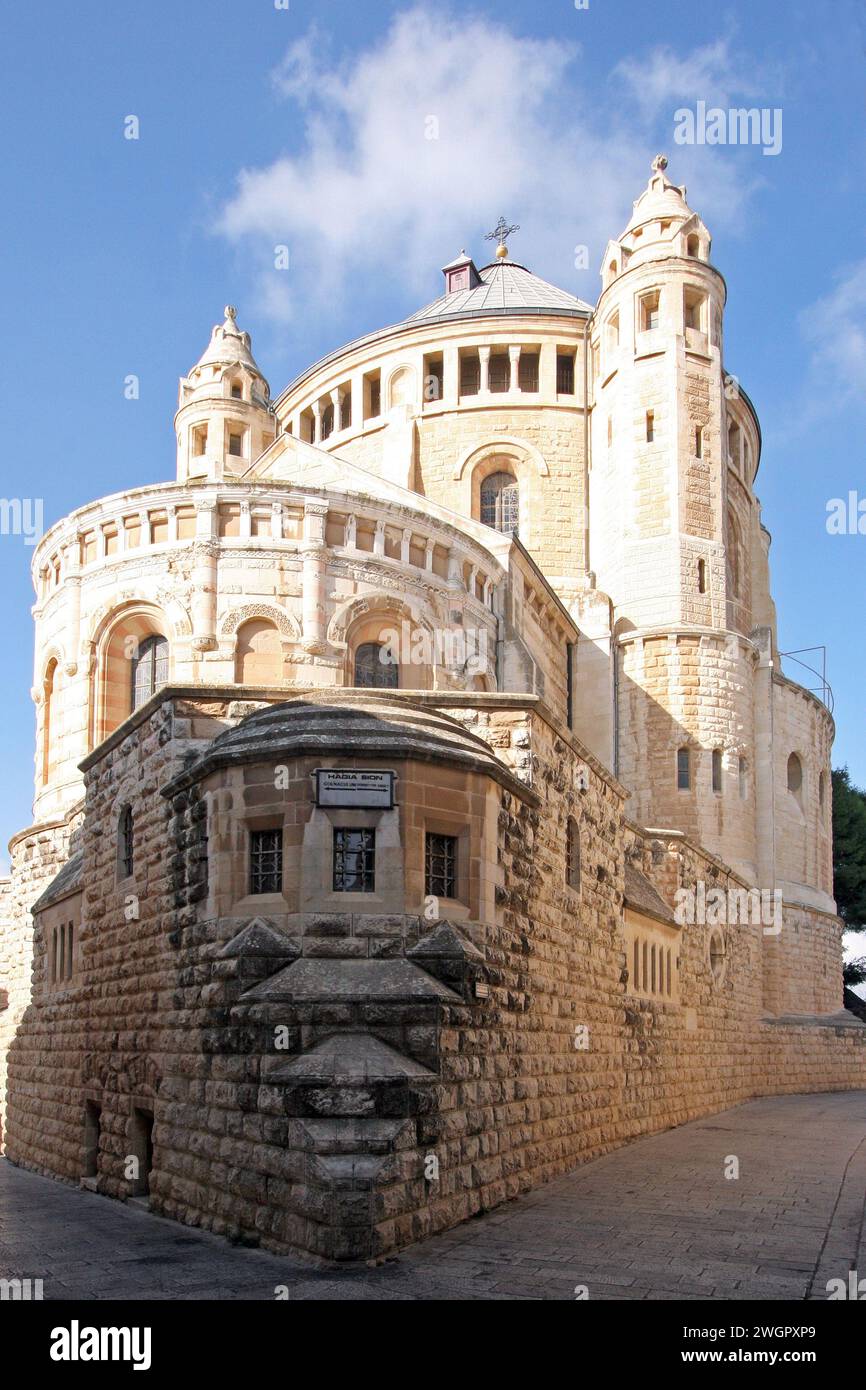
(849,859)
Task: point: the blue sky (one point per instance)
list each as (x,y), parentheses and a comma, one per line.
(309,127)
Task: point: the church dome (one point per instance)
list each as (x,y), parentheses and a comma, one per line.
(504,287)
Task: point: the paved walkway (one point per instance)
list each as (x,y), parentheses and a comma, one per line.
(655,1220)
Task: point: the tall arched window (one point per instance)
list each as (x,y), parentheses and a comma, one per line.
(374,667)
(149,668)
(717,770)
(795,777)
(684,770)
(500,502)
(49,720)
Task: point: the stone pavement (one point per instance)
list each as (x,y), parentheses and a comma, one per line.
(655,1220)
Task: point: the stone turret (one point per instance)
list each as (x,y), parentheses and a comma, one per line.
(224,419)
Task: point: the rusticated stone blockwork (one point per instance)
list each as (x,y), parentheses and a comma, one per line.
(346,1080)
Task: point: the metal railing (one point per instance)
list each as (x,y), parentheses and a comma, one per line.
(822,687)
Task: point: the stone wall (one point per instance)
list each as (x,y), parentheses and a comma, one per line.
(294,1108)
(36,856)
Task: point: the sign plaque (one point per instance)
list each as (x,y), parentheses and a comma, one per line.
(349,786)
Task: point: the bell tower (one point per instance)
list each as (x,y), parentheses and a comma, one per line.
(224,420)
(661,538)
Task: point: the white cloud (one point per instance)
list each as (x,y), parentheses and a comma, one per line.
(520,131)
(835,326)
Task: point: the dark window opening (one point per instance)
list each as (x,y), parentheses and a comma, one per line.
(374,667)
(142,1150)
(564,374)
(354,861)
(374,396)
(92,1125)
(266,861)
(149,669)
(500,503)
(684,770)
(434,377)
(126,843)
(527,371)
(470,374)
(441,865)
(572,853)
(499,372)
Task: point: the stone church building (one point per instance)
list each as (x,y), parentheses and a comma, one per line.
(421,807)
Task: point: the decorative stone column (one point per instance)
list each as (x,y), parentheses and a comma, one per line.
(316,408)
(204,596)
(484,381)
(314,553)
(337,402)
(71,559)
(514,366)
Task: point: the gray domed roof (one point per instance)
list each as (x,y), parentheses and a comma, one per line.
(349,725)
(506,288)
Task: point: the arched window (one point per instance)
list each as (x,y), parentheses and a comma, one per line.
(149,668)
(717,956)
(717,769)
(702,576)
(125,843)
(795,777)
(693,246)
(327,421)
(49,720)
(500,502)
(572,853)
(259,654)
(684,770)
(374,667)
(822,791)
(743,773)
